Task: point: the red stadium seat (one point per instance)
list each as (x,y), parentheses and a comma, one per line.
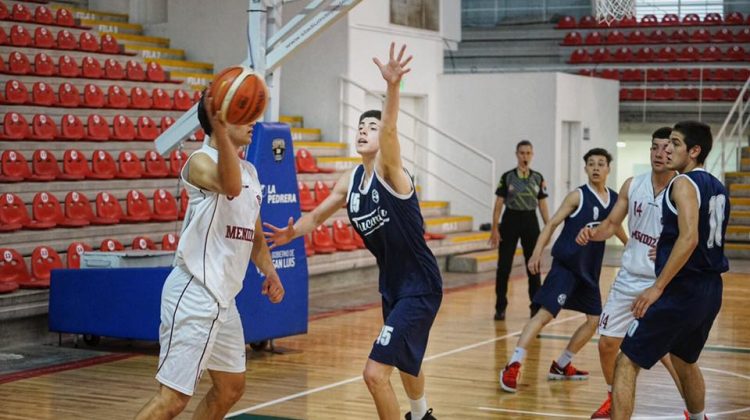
(109,245)
(68,96)
(670,19)
(14,167)
(177,159)
(146,129)
(63,17)
(305,163)
(66,40)
(18,63)
(91,68)
(88,42)
(622,55)
(71,127)
(19,12)
(626,22)
(134,71)
(593,38)
(75,166)
(161,99)
(723,35)
(46,211)
(711,53)
(43,65)
(321,192)
(679,36)
(611,74)
(636,37)
(109,44)
(184,203)
(654,75)
(156,166)
(165,123)
(15,127)
(637,94)
(614,38)
(4,14)
(712,94)
(587,22)
(122,128)
(632,75)
(137,208)
(43,38)
(691,19)
(142,243)
(695,75)
(566,22)
(586,72)
(580,56)
(342,237)
(13,269)
(113,70)
(322,241)
(43,261)
(309,248)
(688,54)
(154,72)
(130,166)
(78,209)
(712,19)
(43,15)
(700,35)
(658,37)
(139,98)
(199,135)
(116,97)
(666,55)
(93,97)
(741,75)
(42,94)
(165,206)
(97,128)
(649,20)
(43,128)
(644,55)
(43,166)
(306,199)
(734,18)
(731,94)
(19,36)
(108,210)
(734,53)
(169,242)
(13,214)
(67,66)
(102,165)
(75,252)
(720,75)
(572,38)
(15,92)
(742,35)
(662,94)
(2,68)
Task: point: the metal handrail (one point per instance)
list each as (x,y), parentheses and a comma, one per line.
(740,107)
(488,181)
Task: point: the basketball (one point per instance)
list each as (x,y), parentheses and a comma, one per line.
(239,94)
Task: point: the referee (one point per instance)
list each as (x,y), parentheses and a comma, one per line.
(521,191)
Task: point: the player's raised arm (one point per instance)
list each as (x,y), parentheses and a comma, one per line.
(569,205)
(388,162)
(612,225)
(307,223)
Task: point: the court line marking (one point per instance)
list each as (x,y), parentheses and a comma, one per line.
(359,377)
(714,347)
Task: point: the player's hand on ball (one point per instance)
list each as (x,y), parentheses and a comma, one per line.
(217,124)
(395,68)
(495,239)
(645,300)
(278,236)
(535,263)
(584,236)
(272,288)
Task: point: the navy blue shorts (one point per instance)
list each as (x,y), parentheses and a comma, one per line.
(565,289)
(677,323)
(403,338)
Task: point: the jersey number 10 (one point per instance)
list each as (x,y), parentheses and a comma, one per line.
(716,206)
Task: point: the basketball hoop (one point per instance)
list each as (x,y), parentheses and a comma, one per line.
(608,11)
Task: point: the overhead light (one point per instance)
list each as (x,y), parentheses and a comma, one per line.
(621,144)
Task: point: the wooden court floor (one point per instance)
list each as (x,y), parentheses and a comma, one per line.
(320,379)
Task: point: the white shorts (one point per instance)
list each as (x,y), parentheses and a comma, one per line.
(195,334)
(616,314)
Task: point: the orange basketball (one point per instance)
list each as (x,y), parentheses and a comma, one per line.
(239,94)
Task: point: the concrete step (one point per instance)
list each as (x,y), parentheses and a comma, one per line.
(147,41)
(306,134)
(322,148)
(745,164)
(328,179)
(295,121)
(435,208)
(745,152)
(113,27)
(155,52)
(739,218)
(196,81)
(740,203)
(738,233)
(739,190)
(82,13)
(338,163)
(739,177)
(478,262)
(737,250)
(449,224)
(184,65)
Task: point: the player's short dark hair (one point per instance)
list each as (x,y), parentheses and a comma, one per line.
(696,133)
(373,113)
(662,133)
(203,115)
(523,143)
(597,151)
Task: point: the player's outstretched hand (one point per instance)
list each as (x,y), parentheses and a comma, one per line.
(584,236)
(535,264)
(272,288)
(395,68)
(495,239)
(278,236)
(645,300)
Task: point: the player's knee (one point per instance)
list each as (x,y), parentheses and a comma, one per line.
(592,321)
(231,391)
(374,378)
(607,345)
(171,401)
(543,316)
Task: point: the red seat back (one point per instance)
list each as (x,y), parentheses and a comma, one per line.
(63,17)
(139,98)
(18,63)
(177,159)
(103,165)
(322,241)
(658,37)
(580,55)
(14,166)
(711,53)
(615,37)
(88,42)
(623,55)
(43,15)
(137,205)
(42,94)
(712,19)
(91,68)
(78,207)
(169,242)
(165,123)
(699,35)
(679,36)
(593,38)
(154,72)
(68,96)
(632,75)
(305,162)
(46,208)
(566,22)
(20,36)
(109,245)
(142,243)
(306,199)
(75,165)
(735,53)
(321,191)
(75,251)
(156,166)
(134,71)
(161,99)
(12,266)
(43,128)
(67,66)
(43,261)
(97,128)
(71,127)
(93,97)
(146,129)
(636,37)
(309,247)
(342,236)
(16,92)
(13,211)
(587,22)
(66,40)
(3,11)
(43,38)
(734,18)
(109,44)
(182,100)
(644,55)
(666,54)
(688,53)
(20,12)
(123,128)
(108,207)
(116,97)
(15,126)
(43,65)
(130,165)
(113,70)
(723,35)
(670,19)
(44,165)
(165,205)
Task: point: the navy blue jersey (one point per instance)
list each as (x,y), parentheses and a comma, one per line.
(586,261)
(392,228)
(713,201)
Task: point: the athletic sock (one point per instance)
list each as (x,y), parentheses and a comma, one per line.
(697,416)
(518,355)
(418,408)
(609,389)
(565,358)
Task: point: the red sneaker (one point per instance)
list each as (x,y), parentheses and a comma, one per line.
(509,377)
(569,373)
(687,415)
(605,410)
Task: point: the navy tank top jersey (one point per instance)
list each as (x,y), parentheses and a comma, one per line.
(584,261)
(713,211)
(392,228)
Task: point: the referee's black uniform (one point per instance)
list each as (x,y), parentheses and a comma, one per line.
(521,198)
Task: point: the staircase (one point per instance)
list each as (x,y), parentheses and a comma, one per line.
(738,231)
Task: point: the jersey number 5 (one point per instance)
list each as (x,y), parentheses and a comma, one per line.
(716,206)
(385,336)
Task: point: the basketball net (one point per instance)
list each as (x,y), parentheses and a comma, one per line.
(608,11)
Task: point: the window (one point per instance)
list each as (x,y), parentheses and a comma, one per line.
(678,7)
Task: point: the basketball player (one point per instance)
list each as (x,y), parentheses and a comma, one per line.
(200,326)
(383,208)
(640,199)
(521,190)
(573,280)
(674,316)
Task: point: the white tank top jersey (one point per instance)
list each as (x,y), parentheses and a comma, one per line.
(218,231)
(644,224)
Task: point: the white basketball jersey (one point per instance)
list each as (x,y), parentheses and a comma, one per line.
(218,231)
(644,224)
